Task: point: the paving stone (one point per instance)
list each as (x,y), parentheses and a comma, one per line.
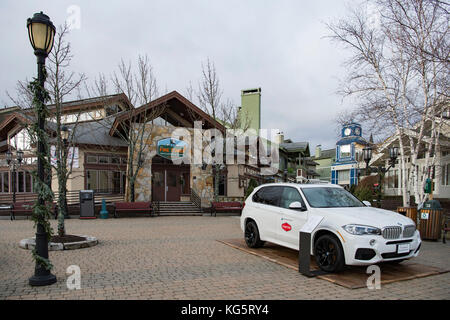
(179,258)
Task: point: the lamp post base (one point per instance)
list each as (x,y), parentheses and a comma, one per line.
(44,280)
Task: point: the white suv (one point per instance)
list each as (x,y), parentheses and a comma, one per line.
(351,231)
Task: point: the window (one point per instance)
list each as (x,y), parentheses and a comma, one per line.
(268,195)
(20,141)
(103,179)
(392,179)
(445,174)
(222,183)
(5,181)
(105,173)
(92,180)
(288,196)
(106,181)
(343,176)
(91,159)
(326,197)
(115,160)
(345,151)
(103,159)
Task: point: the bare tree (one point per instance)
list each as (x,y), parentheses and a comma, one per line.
(400,88)
(134,126)
(209,97)
(62,84)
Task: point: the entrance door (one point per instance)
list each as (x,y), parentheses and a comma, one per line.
(173,187)
(159,185)
(166,185)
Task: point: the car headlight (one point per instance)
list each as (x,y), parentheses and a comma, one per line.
(357,229)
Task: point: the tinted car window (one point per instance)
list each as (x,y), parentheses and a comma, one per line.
(288,196)
(324,197)
(268,195)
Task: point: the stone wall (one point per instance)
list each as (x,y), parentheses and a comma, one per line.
(201,180)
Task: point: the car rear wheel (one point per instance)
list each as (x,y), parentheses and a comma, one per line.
(252,235)
(329,254)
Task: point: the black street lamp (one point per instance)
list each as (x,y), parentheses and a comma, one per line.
(13,164)
(367,155)
(41,33)
(65,139)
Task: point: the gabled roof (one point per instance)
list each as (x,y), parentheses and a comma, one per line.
(90,103)
(174,107)
(295,146)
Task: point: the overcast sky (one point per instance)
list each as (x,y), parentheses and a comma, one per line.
(276,45)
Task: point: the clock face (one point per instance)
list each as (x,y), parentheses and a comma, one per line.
(347,131)
(357,131)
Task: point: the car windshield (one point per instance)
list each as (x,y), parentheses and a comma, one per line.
(323,197)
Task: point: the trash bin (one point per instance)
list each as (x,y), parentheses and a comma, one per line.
(87,207)
(431,216)
(410,212)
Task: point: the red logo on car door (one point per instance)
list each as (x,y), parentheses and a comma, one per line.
(286,227)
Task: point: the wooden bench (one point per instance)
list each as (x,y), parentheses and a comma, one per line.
(445,227)
(225,207)
(136,207)
(23,207)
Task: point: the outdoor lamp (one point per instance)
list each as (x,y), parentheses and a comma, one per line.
(64,134)
(19,156)
(41,33)
(367,154)
(8,156)
(393,153)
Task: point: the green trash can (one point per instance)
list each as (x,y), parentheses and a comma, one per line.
(431,216)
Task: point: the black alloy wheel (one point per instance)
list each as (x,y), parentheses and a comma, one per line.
(329,254)
(252,235)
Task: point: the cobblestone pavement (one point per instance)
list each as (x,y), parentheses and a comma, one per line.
(178,258)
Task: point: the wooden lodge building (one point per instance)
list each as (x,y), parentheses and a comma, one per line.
(101,152)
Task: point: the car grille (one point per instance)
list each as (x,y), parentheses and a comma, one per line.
(409,231)
(393,232)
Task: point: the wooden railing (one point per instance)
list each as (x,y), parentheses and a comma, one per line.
(73,198)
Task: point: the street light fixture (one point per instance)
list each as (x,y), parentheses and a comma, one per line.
(65,134)
(41,33)
(367,155)
(14,164)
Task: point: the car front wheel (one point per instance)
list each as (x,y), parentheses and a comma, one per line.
(329,254)
(252,235)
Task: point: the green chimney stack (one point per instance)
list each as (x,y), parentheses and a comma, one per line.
(251,108)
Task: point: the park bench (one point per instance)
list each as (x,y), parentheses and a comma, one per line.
(134,207)
(22,207)
(225,207)
(26,208)
(445,227)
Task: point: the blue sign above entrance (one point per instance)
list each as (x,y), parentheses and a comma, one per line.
(171,148)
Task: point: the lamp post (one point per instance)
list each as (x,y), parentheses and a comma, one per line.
(65,139)
(367,154)
(12,163)
(41,32)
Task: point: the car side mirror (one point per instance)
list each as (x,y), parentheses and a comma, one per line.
(296,205)
(367,203)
